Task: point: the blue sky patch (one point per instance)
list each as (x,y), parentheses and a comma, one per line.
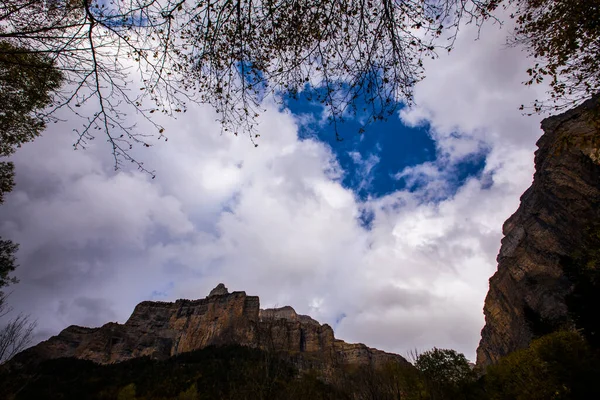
(374,160)
(371,159)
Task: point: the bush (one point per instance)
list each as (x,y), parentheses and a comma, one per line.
(448,374)
(557,366)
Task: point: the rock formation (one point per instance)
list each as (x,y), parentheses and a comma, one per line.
(527,295)
(161,330)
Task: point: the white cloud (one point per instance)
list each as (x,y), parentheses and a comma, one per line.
(276,222)
(364,169)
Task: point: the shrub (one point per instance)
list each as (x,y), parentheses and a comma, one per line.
(557,366)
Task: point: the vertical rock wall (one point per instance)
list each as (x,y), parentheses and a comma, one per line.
(527,295)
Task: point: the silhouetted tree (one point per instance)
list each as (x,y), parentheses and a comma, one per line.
(26,85)
(563,36)
(16,335)
(363,56)
(27,81)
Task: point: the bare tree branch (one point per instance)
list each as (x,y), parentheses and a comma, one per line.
(353,56)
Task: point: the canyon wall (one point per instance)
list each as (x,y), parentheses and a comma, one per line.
(529,294)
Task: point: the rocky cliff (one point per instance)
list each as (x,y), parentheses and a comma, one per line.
(529,293)
(161,330)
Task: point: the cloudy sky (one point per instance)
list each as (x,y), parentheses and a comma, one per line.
(390,237)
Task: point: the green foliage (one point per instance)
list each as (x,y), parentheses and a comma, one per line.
(445,365)
(311,386)
(127,393)
(27,81)
(7,247)
(7,262)
(7,173)
(190,394)
(232,54)
(391,381)
(560,366)
(564,38)
(403,381)
(447,373)
(557,366)
(231,372)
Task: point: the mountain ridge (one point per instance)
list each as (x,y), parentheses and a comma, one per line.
(160,330)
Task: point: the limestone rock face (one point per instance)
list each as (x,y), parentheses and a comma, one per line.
(160,330)
(527,294)
(219,290)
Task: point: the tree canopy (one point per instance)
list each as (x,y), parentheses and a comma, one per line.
(27,81)
(563,36)
(560,365)
(149,57)
(146,56)
(447,372)
(7,263)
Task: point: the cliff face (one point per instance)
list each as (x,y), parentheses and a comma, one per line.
(528,294)
(161,330)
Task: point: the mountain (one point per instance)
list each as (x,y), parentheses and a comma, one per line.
(160,330)
(547,278)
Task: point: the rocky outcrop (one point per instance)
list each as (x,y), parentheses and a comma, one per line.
(160,330)
(527,295)
(219,290)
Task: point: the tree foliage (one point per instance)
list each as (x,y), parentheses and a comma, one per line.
(563,36)
(444,365)
(353,50)
(229,372)
(556,366)
(27,81)
(16,333)
(146,56)
(389,382)
(7,182)
(447,372)
(7,261)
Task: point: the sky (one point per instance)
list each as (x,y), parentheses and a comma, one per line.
(390,236)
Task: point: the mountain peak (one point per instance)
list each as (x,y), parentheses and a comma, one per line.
(219,290)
